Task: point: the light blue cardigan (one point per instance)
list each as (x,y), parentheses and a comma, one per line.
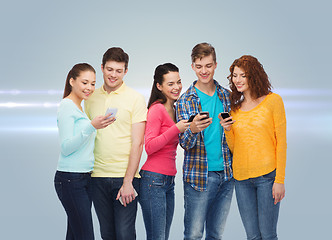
(77,138)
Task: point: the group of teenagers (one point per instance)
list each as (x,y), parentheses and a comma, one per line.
(101,152)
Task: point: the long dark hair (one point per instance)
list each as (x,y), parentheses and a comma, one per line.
(258,80)
(161,70)
(74,73)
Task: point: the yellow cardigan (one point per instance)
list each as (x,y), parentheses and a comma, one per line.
(258,140)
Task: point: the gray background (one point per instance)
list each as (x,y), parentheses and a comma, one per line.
(42,40)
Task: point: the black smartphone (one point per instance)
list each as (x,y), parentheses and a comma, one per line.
(191,118)
(225,115)
(207,115)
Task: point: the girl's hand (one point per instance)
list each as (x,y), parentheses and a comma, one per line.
(225,123)
(278,192)
(182,125)
(100,122)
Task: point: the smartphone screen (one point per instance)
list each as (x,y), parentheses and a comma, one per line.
(225,115)
(113,112)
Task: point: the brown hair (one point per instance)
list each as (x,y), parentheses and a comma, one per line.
(115,54)
(258,80)
(203,50)
(74,73)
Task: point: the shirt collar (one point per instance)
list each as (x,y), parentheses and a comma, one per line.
(121,89)
(192,90)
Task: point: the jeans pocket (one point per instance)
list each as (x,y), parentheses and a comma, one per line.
(157,182)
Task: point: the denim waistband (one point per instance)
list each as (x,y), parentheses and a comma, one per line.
(154,174)
(61,172)
(220,171)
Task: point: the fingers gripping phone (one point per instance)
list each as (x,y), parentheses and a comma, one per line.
(113,112)
(201,113)
(121,201)
(225,115)
(207,115)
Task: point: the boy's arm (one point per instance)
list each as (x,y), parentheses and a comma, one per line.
(127,192)
(187,139)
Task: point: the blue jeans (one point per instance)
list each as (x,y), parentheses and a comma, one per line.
(256,205)
(209,208)
(157,202)
(74,192)
(116,221)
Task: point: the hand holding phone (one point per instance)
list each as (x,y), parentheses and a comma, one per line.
(201,123)
(225,115)
(207,115)
(113,112)
(227,125)
(120,199)
(201,113)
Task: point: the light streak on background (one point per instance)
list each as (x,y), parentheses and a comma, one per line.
(146,91)
(16,92)
(304,104)
(28,105)
(41,116)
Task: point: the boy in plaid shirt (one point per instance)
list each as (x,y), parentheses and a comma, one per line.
(207,173)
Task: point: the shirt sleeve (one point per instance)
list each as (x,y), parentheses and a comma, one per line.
(187,139)
(230,139)
(69,141)
(139,110)
(154,141)
(279,116)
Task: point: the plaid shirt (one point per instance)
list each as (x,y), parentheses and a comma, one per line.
(195,165)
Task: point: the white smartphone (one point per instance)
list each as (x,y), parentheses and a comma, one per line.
(113,112)
(120,199)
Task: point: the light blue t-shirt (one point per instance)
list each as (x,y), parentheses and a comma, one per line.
(77,139)
(214,132)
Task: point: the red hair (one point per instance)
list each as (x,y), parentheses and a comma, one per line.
(258,80)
